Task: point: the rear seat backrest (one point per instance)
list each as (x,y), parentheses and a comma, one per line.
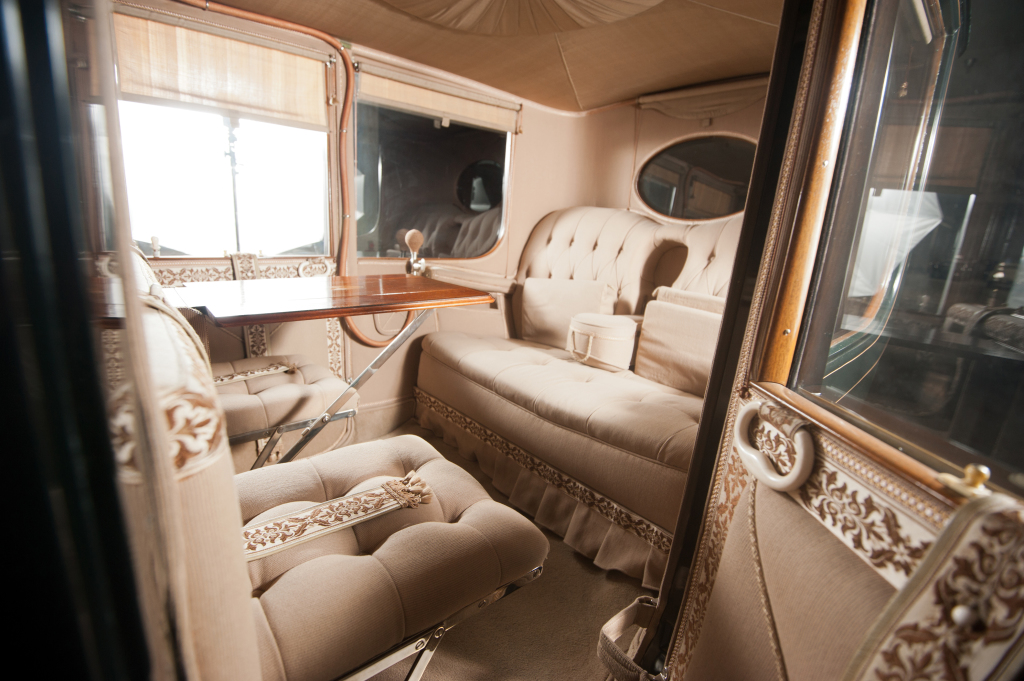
(478,234)
(711,254)
(631,253)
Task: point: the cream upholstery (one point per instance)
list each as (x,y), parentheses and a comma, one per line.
(550,305)
(627,438)
(631,253)
(317,609)
(266,401)
(277,399)
(622,435)
(478,234)
(677,346)
(328,605)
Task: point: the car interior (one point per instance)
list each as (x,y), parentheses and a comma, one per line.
(638,340)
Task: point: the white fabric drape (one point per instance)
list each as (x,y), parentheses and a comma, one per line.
(521,17)
(183,65)
(708,101)
(376,89)
(895,222)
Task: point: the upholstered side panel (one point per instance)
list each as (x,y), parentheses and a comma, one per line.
(823,597)
(711,253)
(591,525)
(216,589)
(737,642)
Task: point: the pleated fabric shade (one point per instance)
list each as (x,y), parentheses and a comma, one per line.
(193,67)
(521,17)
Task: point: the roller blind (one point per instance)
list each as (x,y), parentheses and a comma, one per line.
(389,92)
(183,65)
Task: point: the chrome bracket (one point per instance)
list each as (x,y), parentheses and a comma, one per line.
(425,643)
(317,424)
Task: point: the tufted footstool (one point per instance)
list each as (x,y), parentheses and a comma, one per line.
(324,607)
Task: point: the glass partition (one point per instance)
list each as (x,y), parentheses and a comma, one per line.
(443,178)
(915,328)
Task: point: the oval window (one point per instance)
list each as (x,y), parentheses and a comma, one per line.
(698,179)
(479,186)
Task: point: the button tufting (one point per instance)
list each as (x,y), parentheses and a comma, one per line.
(711,258)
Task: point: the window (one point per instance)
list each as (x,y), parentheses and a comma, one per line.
(225,143)
(916,326)
(698,179)
(445,179)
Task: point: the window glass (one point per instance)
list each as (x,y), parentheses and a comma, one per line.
(916,329)
(204,183)
(698,179)
(418,172)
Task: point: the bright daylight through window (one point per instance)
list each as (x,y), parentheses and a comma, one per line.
(243,185)
(225,142)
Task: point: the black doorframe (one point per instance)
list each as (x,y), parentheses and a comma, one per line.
(78,613)
(768,160)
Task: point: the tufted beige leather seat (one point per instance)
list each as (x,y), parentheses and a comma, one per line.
(309,610)
(369,587)
(599,457)
(478,234)
(439,224)
(268,401)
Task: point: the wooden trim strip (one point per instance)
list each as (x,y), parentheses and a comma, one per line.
(890,457)
(784,326)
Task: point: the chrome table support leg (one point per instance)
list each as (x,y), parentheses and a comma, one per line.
(313,430)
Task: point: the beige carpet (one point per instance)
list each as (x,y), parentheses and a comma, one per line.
(547,630)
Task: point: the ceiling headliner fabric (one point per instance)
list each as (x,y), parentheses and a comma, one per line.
(673,44)
(521,17)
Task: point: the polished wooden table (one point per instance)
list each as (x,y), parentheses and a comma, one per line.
(270,301)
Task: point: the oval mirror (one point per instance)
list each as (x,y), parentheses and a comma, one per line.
(698,179)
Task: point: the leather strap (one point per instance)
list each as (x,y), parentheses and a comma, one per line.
(617,661)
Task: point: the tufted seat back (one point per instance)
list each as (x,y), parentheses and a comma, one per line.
(478,234)
(632,253)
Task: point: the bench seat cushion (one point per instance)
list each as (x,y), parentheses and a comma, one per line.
(268,401)
(625,437)
(325,606)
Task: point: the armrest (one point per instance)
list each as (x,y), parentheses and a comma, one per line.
(482,281)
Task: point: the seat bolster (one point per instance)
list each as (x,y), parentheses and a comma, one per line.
(520,547)
(438,569)
(272,486)
(317,605)
(270,657)
(343,469)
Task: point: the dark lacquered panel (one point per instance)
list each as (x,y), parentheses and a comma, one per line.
(265,301)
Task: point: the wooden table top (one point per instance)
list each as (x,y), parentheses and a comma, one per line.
(269,301)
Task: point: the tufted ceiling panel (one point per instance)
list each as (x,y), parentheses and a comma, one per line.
(670,45)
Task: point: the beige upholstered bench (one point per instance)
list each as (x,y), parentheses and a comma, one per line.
(599,457)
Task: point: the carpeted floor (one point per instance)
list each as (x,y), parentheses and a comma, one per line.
(547,630)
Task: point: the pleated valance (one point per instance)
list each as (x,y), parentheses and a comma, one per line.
(157,60)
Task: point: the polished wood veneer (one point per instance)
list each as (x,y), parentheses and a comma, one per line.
(269,301)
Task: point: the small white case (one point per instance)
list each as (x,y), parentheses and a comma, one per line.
(603,341)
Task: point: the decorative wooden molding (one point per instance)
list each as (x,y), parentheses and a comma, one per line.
(784,326)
